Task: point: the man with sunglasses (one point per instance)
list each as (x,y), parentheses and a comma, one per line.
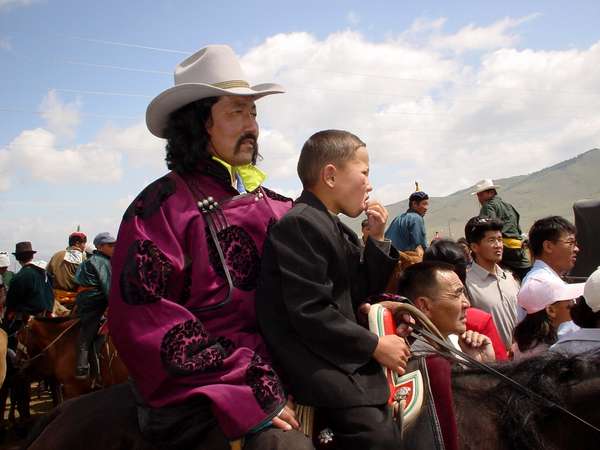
(513,256)
(554,248)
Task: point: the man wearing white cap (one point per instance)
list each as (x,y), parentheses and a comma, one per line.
(492,206)
(586,314)
(186,264)
(5,278)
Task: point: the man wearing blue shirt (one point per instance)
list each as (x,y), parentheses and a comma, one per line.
(407,231)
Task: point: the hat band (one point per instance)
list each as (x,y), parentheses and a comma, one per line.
(231,84)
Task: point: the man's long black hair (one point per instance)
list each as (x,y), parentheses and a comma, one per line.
(187,139)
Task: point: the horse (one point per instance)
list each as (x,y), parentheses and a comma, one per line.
(48,351)
(3,350)
(489,413)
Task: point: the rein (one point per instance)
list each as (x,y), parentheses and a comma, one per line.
(428,333)
(28,361)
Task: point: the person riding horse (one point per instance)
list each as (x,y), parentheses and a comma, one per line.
(93,278)
(30,292)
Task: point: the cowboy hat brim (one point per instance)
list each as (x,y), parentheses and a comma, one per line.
(174,98)
(486,188)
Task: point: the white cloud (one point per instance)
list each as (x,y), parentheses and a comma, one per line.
(470,37)
(279,153)
(424,113)
(35,153)
(9,4)
(61,118)
(141,147)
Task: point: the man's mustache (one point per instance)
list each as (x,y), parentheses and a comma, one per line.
(247,137)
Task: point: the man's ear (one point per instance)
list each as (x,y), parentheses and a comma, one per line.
(328,173)
(548,246)
(423,304)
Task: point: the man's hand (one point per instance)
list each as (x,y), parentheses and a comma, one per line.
(392,352)
(286,419)
(403,320)
(378,216)
(477,345)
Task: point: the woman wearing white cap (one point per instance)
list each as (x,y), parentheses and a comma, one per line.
(548,304)
(586,314)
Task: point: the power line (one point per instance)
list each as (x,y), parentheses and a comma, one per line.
(126,44)
(108,66)
(40,112)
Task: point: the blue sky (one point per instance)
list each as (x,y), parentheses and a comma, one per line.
(444,92)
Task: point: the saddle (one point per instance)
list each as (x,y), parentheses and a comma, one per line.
(411,398)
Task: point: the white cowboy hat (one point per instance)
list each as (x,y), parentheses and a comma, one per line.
(210,72)
(484,185)
(591,291)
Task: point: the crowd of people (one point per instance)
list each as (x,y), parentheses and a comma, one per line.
(231,304)
(74,282)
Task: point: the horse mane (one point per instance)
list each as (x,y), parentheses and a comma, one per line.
(60,319)
(548,375)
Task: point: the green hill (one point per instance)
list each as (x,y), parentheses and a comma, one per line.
(550,191)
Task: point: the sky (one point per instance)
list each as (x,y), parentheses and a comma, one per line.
(444,93)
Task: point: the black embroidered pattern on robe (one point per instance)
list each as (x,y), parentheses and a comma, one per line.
(265,384)
(241,256)
(145,275)
(186,348)
(275,196)
(150,199)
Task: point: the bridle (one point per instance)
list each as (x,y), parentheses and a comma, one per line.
(22,348)
(425,331)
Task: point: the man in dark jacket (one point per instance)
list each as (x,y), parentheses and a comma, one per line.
(492,206)
(312,283)
(93,278)
(30,292)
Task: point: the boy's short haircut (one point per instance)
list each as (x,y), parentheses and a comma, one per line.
(476,228)
(325,147)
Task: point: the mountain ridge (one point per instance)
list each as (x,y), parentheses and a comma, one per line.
(565,182)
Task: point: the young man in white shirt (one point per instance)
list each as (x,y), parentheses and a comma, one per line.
(490,287)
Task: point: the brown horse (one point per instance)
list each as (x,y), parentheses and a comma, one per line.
(490,414)
(3,349)
(47,351)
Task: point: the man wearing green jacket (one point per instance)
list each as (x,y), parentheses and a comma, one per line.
(93,278)
(493,207)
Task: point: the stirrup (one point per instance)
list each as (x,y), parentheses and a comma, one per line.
(82,373)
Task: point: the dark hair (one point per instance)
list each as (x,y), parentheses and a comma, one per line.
(187,139)
(476,228)
(417,197)
(448,251)
(322,148)
(535,329)
(77,239)
(583,316)
(548,229)
(421,279)
(24,257)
